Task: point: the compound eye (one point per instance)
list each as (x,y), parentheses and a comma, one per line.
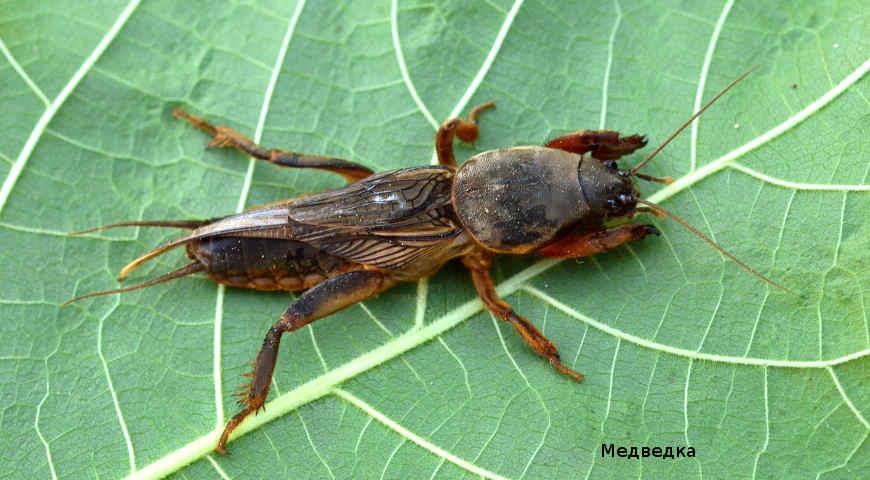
(626,199)
(611,165)
(611,203)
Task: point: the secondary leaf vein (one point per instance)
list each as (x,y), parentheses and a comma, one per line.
(702,81)
(23,73)
(407,434)
(131,456)
(400,58)
(846,398)
(54,106)
(692,354)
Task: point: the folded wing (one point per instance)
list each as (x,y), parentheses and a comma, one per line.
(386,220)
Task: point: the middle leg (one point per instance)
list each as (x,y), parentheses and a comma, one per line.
(479,266)
(466,130)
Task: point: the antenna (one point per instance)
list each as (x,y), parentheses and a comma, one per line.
(688,122)
(656,209)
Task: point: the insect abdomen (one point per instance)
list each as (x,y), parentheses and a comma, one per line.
(265,263)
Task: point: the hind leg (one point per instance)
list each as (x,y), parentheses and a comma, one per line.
(225,137)
(328,297)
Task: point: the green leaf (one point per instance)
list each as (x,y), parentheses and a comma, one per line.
(679,346)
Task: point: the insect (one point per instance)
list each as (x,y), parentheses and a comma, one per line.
(346,245)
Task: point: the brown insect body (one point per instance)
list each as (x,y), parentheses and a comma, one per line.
(348,244)
(400,222)
(409,222)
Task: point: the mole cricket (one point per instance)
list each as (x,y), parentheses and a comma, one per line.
(343,246)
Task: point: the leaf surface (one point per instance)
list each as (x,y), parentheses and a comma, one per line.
(679,347)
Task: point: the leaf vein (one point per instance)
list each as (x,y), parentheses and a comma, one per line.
(314,447)
(460,362)
(54,106)
(407,434)
(42,439)
(846,398)
(131,456)
(323,364)
(797,185)
(533,389)
(611,41)
(217,468)
(422,296)
(766,425)
(610,383)
(488,61)
(23,74)
(403,68)
(848,457)
(691,354)
(243,197)
(702,81)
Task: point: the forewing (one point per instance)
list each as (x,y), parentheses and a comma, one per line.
(386,220)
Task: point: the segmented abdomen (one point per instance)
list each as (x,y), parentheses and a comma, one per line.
(265,263)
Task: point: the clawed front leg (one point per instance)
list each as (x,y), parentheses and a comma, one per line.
(225,137)
(601,144)
(466,130)
(583,244)
(479,265)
